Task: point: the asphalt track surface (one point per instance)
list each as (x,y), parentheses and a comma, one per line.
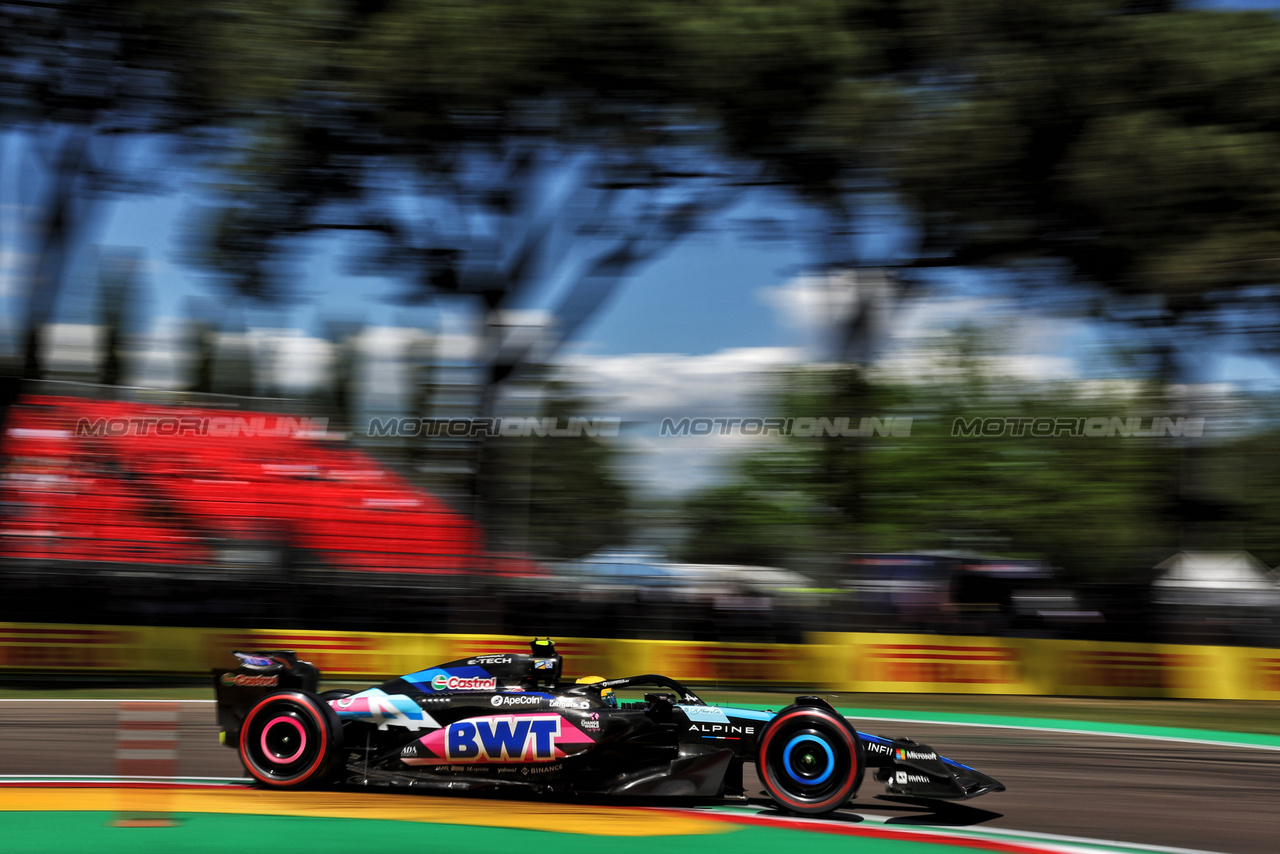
(1126,790)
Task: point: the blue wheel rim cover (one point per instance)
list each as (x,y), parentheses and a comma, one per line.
(786,760)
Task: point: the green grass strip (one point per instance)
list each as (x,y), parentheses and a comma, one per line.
(205,833)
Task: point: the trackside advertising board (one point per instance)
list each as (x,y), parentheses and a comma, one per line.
(844,662)
(1033,666)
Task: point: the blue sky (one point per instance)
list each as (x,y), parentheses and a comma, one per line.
(698,299)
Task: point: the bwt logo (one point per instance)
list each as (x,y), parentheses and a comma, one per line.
(503,739)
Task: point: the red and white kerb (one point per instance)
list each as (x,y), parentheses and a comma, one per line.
(147,739)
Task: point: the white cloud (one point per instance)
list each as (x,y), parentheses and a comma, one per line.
(455,347)
(300,363)
(651,386)
(384,342)
(813,301)
(918,365)
(906,334)
(645,388)
(820,306)
(13,267)
(73,348)
(912,347)
(160,359)
(1019,345)
(935,318)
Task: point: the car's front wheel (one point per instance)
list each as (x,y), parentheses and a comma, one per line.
(810,761)
(290,739)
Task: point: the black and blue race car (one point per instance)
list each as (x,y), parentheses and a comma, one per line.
(512,720)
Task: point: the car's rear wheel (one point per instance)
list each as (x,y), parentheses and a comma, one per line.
(810,761)
(289,740)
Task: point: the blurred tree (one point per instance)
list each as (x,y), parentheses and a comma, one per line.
(1124,145)
(759,518)
(508,156)
(343,337)
(118,282)
(808,498)
(78,79)
(557,496)
(1237,481)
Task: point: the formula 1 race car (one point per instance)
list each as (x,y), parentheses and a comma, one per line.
(509,720)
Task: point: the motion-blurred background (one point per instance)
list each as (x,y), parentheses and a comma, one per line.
(723,321)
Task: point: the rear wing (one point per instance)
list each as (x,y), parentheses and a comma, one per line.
(259,673)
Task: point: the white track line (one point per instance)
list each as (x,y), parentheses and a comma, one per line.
(100,700)
(1059,842)
(1034,835)
(1148,736)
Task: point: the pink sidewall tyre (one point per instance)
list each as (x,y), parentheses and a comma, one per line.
(290,740)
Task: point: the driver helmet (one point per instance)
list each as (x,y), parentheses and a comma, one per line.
(606,694)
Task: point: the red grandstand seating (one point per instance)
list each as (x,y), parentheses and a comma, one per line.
(146,497)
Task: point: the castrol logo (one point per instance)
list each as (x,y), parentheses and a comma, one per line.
(240,680)
(461,683)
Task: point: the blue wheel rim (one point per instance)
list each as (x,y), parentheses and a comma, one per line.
(810,781)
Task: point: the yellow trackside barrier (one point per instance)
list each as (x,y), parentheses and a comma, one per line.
(964,665)
(52,648)
(844,662)
(926,664)
(339,655)
(1254,673)
(1134,670)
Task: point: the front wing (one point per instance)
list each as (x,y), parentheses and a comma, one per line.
(917,770)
